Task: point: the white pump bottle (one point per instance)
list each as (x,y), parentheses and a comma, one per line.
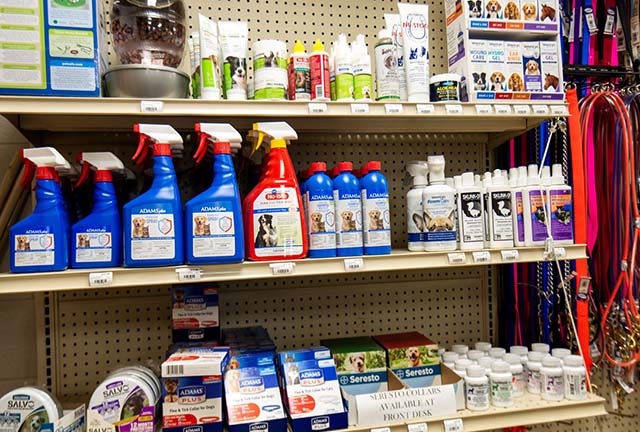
(418,170)
(438,200)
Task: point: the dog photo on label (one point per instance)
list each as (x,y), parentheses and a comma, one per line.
(493,9)
(515,83)
(475,8)
(238,71)
(34,422)
(200,226)
(511,11)
(497,81)
(140,228)
(267,233)
(348,221)
(357,362)
(413,356)
(317,223)
(479,81)
(171,387)
(22,243)
(270,59)
(439,223)
(83,241)
(532,67)
(375,220)
(529,10)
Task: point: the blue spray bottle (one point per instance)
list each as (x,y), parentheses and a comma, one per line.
(40,242)
(152,223)
(96,240)
(321,212)
(347,193)
(376,223)
(213,220)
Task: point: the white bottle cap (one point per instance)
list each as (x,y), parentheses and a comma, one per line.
(540,347)
(500,366)
(536,356)
(512,359)
(462,364)
(557,178)
(486,179)
(486,362)
(573,360)
(449,182)
(519,350)
(483,346)
(497,352)
(436,169)
(477,180)
(384,34)
(498,178)
(475,371)
(546,176)
(419,170)
(460,348)
(522,176)
(551,362)
(467,179)
(560,353)
(532,178)
(450,357)
(475,355)
(457,181)
(513,176)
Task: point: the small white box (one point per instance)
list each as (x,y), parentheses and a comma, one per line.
(513,54)
(531,66)
(496,66)
(551,73)
(479,67)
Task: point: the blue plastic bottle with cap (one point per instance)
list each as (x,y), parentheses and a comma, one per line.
(376,222)
(213,220)
(40,242)
(347,198)
(321,213)
(152,222)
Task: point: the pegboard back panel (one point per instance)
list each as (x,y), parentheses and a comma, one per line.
(96,331)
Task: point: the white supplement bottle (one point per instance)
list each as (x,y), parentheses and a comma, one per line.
(501,386)
(486,363)
(498,208)
(439,204)
(475,355)
(522,352)
(533,201)
(517,374)
(460,367)
(461,349)
(387,81)
(518,207)
(449,358)
(483,346)
(560,205)
(540,347)
(476,388)
(534,364)
(560,353)
(575,378)
(497,353)
(470,214)
(552,377)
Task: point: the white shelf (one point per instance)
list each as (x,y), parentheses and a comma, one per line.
(116,114)
(528,410)
(397,261)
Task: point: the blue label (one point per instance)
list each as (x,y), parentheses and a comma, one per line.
(416,237)
(440,236)
(191,391)
(479,24)
(349,195)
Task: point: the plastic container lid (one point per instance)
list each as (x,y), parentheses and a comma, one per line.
(500,366)
(374,166)
(444,77)
(519,350)
(540,347)
(318,45)
(460,348)
(467,180)
(560,353)
(221,147)
(512,359)
(483,346)
(475,371)
(299,48)
(497,352)
(345,166)
(536,356)
(462,364)
(486,362)
(475,355)
(573,360)
(450,357)
(384,34)
(551,362)
(318,166)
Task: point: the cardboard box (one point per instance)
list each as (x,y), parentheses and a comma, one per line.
(479,64)
(50,49)
(496,65)
(195,313)
(412,357)
(531,66)
(515,81)
(551,72)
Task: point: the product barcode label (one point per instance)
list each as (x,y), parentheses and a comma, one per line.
(175,370)
(559,252)
(418,427)
(559,110)
(522,109)
(484,109)
(359,108)
(481,257)
(510,255)
(189,274)
(425,109)
(353,264)
(100,279)
(317,108)
(151,106)
(393,108)
(453,425)
(457,257)
(280,269)
(503,109)
(453,108)
(540,109)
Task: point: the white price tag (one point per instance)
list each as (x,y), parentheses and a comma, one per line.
(457,258)
(100,279)
(189,274)
(425,108)
(393,108)
(353,264)
(591,21)
(540,109)
(280,269)
(510,255)
(484,109)
(317,108)
(453,109)
(383,429)
(418,427)
(481,257)
(560,252)
(359,108)
(522,109)
(151,106)
(453,425)
(502,109)
(610,23)
(559,110)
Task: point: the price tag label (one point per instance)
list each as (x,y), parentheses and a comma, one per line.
(100,279)
(317,108)
(559,110)
(560,252)
(189,274)
(522,109)
(503,109)
(151,106)
(425,108)
(393,108)
(610,23)
(280,269)
(484,109)
(457,258)
(454,109)
(384,429)
(591,21)
(353,264)
(540,109)
(360,108)
(418,427)
(453,425)
(481,257)
(510,255)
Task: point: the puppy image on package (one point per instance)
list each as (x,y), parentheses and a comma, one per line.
(317,223)
(475,8)
(440,223)
(171,389)
(83,241)
(529,11)
(348,221)
(200,226)
(479,81)
(497,81)
(237,68)
(493,9)
(267,233)
(22,243)
(512,11)
(531,66)
(375,220)
(140,228)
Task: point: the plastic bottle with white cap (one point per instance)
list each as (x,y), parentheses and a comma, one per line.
(483,346)
(540,347)
(497,353)
(476,388)
(560,353)
(474,355)
(461,349)
(533,199)
(470,213)
(499,208)
(575,378)
(517,206)
(560,205)
(517,374)
(501,386)
(534,380)
(439,205)
(449,359)
(460,366)
(486,363)
(486,182)
(552,377)
(418,170)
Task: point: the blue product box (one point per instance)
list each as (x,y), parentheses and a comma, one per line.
(195,313)
(52,48)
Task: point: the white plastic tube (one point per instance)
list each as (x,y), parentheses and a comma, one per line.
(210,61)
(233,37)
(415,33)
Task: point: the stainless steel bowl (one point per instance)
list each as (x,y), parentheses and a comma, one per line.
(146,81)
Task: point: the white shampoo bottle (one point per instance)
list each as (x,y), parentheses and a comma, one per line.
(438,200)
(470,214)
(416,227)
(499,210)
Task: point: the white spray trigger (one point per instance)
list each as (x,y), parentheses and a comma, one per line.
(274,130)
(103,160)
(418,170)
(222,132)
(46,157)
(162,134)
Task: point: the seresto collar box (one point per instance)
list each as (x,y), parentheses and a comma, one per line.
(195,314)
(51,47)
(192,390)
(412,357)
